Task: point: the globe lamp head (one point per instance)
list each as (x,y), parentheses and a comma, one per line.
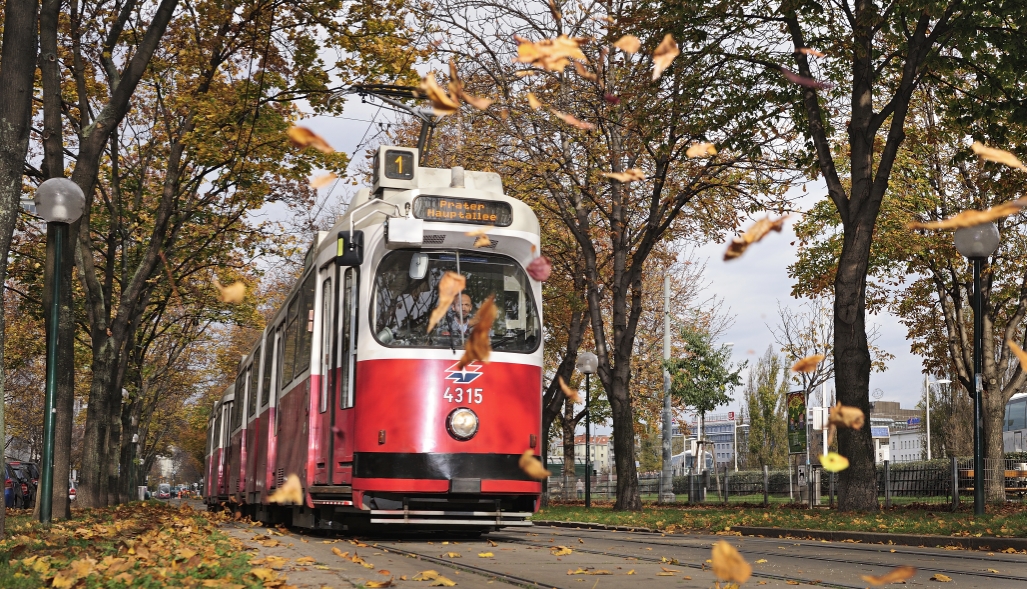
(59,200)
(978,241)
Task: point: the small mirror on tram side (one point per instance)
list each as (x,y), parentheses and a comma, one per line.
(350,249)
(418,265)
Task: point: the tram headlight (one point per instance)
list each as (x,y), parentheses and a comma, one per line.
(462,423)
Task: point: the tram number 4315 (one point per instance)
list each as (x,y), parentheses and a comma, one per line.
(462,395)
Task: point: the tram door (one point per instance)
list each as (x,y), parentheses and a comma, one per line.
(343,383)
(325,401)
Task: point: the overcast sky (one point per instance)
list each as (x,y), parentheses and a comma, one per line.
(750,286)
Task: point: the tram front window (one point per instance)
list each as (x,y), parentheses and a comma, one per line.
(407,290)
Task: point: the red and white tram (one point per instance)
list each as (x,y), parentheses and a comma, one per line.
(349,390)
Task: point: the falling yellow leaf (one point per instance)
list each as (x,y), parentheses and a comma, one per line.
(808,364)
(479,344)
(485,555)
(233,293)
(290,492)
(560,550)
(572,120)
(728,564)
(845,416)
(972,217)
(628,44)
(664,54)
(632,175)
(834,462)
(549,54)
(758,231)
(304,137)
(940,577)
(476,101)
(896,575)
(527,73)
(700,149)
(321,182)
(450,285)
(482,237)
(809,51)
(568,391)
(532,467)
(533,102)
(1000,156)
(441,102)
(585,74)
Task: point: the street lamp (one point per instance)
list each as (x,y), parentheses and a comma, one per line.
(59,202)
(977,243)
(927,385)
(587,364)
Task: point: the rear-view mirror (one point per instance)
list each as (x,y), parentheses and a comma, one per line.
(418,265)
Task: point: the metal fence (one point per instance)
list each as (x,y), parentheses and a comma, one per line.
(942,482)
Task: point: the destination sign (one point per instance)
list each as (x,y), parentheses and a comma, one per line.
(463,210)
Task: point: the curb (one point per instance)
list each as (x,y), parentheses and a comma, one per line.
(964,542)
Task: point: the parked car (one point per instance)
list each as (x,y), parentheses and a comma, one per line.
(9,479)
(164,491)
(72,492)
(21,478)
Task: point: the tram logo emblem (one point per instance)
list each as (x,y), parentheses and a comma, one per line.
(466,375)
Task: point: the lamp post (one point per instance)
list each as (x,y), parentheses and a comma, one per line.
(587,364)
(667,476)
(927,385)
(977,243)
(59,202)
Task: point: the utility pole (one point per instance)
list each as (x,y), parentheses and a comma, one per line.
(666,480)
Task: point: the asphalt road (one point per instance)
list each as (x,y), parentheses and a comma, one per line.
(525,558)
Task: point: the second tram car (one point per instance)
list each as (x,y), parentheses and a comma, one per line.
(349,390)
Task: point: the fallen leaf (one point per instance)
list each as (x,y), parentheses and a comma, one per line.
(452,554)
(263,574)
(834,462)
(540,268)
(532,467)
(426,575)
(64,580)
(896,575)
(973,217)
(940,577)
(808,364)
(664,54)
(378,583)
(791,582)
(631,572)
(304,137)
(290,492)
(632,175)
(450,285)
(571,393)
(728,564)
(628,44)
(1000,156)
(479,343)
(761,561)
(809,51)
(572,120)
(306,560)
(339,553)
(320,182)
(560,550)
(549,54)
(753,234)
(666,570)
(441,102)
(664,574)
(486,555)
(233,293)
(491,543)
(700,150)
(803,80)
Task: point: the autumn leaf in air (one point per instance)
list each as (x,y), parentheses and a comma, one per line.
(532,467)
(628,44)
(568,391)
(304,137)
(1000,156)
(756,232)
(803,80)
(728,564)
(810,51)
(441,102)
(664,54)
(972,217)
(233,293)
(896,575)
(1020,354)
(700,150)
(834,462)
(289,493)
(572,120)
(449,286)
(584,73)
(482,237)
(549,54)
(479,342)
(632,175)
(533,102)
(845,416)
(540,268)
(457,93)
(322,181)
(808,364)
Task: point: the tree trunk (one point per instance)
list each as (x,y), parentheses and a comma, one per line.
(857,485)
(569,472)
(93,491)
(994,411)
(17,73)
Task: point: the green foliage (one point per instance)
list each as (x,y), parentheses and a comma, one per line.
(765,404)
(702,378)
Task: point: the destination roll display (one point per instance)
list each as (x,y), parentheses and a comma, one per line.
(463,210)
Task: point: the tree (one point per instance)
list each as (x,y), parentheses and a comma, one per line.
(704,375)
(764,393)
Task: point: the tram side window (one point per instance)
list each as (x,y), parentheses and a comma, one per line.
(305,325)
(251,399)
(289,347)
(216,434)
(265,394)
(239,404)
(326,344)
(1016,418)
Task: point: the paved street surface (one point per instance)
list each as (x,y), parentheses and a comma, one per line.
(525,558)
